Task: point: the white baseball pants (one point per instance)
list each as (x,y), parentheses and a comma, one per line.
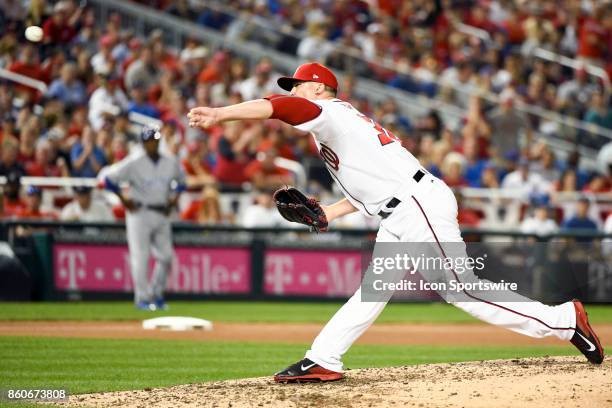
(429,214)
(149,232)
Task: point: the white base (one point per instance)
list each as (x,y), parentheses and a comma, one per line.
(177,323)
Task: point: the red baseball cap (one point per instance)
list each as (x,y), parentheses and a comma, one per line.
(309,72)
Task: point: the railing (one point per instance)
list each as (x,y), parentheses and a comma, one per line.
(291,165)
(180,226)
(23,80)
(604,200)
(474,192)
(542,53)
(474,32)
(574,64)
(55,181)
(296,168)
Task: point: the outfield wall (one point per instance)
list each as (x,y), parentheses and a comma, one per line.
(75,261)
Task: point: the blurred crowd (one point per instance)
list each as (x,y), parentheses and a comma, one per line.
(101,78)
(420,46)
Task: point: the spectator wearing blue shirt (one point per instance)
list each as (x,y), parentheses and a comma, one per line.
(474,166)
(581,220)
(87,159)
(214,19)
(138,103)
(489,177)
(599,112)
(390,112)
(67,88)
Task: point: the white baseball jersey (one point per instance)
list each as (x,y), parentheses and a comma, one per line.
(372,167)
(369,163)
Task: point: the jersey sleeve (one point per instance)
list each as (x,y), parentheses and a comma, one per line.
(294,110)
(117,173)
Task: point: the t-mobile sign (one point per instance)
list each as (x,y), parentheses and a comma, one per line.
(106,268)
(312,272)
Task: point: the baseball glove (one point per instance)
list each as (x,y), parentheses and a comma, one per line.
(296,207)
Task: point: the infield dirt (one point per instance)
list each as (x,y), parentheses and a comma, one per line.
(534,382)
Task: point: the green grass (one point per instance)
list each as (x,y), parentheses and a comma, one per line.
(93,365)
(248,312)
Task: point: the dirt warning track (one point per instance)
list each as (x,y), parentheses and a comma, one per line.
(407,334)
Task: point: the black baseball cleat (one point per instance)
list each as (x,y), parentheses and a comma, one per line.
(585,338)
(306,371)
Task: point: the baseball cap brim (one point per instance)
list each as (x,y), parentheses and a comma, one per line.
(287,83)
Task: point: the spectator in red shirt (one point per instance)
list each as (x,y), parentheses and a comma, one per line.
(215,70)
(513,25)
(27,143)
(265,174)
(276,139)
(232,154)
(60,27)
(452,170)
(164,58)
(176,111)
(12,204)
(599,184)
(46,163)
(196,166)
(593,36)
(78,121)
(205,210)
(33,203)
(466,216)
(478,17)
(28,65)
(119,149)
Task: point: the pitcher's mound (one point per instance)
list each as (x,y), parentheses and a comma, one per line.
(534,382)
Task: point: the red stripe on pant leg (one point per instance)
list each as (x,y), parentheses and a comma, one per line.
(472,296)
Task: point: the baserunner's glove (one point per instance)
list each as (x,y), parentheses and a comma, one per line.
(296,207)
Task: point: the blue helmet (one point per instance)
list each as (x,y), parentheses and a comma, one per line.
(150,132)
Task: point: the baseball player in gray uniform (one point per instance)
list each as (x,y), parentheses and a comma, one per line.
(155,182)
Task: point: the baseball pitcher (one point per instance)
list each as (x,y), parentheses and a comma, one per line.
(155,182)
(380,178)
